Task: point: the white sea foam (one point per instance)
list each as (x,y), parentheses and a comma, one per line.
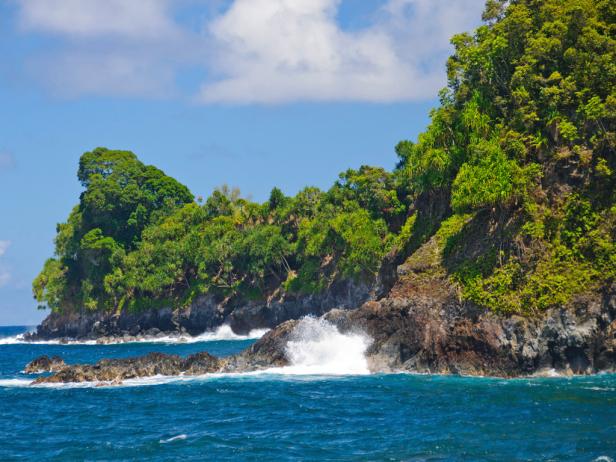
(317,347)
(599,388)
(138,382)
(548,373)
(174,438)
(19,339)
(223,332)
(15,382)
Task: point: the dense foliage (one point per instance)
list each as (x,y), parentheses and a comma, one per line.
(517,169)
(524,144)
(137,239)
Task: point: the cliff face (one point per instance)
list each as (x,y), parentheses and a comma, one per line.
(419,328)
(422,326)
(415,331)
(204,314)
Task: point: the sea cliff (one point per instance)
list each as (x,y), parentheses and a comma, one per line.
(205,314)
(421,326)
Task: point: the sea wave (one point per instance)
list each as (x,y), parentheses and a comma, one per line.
(224,332)
(317,347)
(173,438)
(137,382)
(129,383)
(15,382)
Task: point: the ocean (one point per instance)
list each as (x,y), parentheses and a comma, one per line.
(304,412)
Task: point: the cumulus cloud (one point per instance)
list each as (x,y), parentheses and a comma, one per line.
(282,50)
(106,47)
(254,51)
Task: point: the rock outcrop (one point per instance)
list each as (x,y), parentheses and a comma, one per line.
(418,328)
(421,325)
(205,314)
(45,364)
(114,371)
(427,329)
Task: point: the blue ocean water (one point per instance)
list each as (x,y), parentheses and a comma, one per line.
(394,417)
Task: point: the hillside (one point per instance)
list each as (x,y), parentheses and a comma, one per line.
(509,196)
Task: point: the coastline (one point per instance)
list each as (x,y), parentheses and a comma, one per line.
(421,325)
(427,332)
(205,314)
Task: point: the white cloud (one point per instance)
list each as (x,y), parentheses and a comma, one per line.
(255,51)
(127,73)
(110,47)
(288,50)
(142,19)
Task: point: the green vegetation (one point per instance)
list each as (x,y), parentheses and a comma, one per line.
(527,123)
(515,175)
(137,239)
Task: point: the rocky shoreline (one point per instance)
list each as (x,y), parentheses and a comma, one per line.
(205,314)
(419,324)
(421,328)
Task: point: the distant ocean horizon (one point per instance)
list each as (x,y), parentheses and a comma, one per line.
(297,416)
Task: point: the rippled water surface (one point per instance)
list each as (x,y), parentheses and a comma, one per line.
(299,417)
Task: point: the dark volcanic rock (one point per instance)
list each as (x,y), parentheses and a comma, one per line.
(422,327)
(201,363)
(268,351)
(344,295)
(45,364)
(117,370)
(204,314)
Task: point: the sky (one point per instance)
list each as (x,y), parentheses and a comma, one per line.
(250,93)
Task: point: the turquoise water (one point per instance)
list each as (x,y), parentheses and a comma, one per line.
(282,417)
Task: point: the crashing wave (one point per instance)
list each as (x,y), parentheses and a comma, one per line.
(224,332)
(317,347)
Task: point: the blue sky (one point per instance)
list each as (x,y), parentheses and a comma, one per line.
(252,93)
